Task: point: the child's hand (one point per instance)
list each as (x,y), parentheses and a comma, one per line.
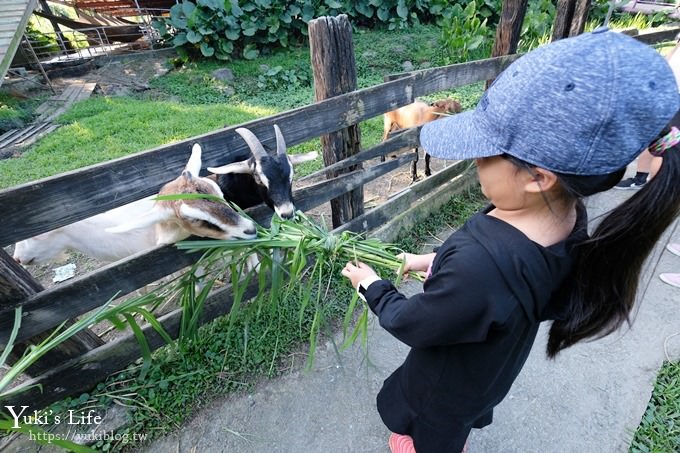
(416,263)
(357,272)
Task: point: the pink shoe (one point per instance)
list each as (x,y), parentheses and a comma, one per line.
(401,443)
(671,279)
(674,248)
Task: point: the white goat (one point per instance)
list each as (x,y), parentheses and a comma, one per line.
(89,237)
(104,238)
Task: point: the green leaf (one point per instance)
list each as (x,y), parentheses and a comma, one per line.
(334,4)
(250,52)
(12,335)
(178,22)
(236,10)
(226,47)
(402,9)
(293,10)
(207,50)
(179,40)
(264,3)
(307,13)
(210,4)
(233,34)
(364,9)
(143,344)
(188,8)
(193,37)
(383,14)
(249,29)
(176,9)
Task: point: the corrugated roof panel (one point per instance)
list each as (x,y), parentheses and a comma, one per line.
(14,14)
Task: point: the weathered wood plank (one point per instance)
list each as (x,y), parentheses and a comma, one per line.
(83,373)
(36,207)
(49,308)
(424,207)
(382,214)
(17,284)
(654,37)
(406,139)
(334,69)
(564,12)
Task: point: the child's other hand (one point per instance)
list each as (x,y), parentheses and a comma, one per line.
(416,263)
(357,272)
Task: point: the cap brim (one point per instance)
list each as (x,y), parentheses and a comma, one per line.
(457,137)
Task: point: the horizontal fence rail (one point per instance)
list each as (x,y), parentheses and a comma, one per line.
(37,207)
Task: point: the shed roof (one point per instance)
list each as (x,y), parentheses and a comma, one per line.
(14,16)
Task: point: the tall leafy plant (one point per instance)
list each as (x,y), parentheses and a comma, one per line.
(224,29)
(466,35)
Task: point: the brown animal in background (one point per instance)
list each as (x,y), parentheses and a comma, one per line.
(417,114)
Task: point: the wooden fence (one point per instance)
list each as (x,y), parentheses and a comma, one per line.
(43,205)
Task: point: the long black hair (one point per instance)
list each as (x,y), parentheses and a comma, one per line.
(600,294)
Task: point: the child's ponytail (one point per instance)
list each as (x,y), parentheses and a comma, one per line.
(600,294)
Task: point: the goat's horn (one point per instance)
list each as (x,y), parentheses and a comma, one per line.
(280,142)
(253,143)
(194,164)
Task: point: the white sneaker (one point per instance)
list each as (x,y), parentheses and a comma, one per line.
(671,279)
(674,248)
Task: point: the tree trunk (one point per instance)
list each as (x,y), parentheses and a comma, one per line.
(334,68)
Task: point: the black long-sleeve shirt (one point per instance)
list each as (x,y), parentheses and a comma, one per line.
(470,330)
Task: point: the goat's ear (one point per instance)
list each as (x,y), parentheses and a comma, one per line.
(152,217)
(236,167)
(300,158)
(194,164)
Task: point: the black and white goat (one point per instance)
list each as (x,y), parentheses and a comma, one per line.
(152,223)
(178,219)
(263,177)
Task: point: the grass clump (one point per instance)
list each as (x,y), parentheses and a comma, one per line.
(659,430)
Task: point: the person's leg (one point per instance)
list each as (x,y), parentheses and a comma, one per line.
(644,167)
(401,443)
(654,166)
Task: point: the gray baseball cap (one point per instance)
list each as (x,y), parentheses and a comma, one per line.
(587,105)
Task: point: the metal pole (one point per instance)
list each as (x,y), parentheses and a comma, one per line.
(40,66)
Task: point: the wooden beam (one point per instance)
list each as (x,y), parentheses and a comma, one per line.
(579,17)
(47,309)
(387,211)
(334,69)
(83,373)
(16,284)
(509,29)
(37,207)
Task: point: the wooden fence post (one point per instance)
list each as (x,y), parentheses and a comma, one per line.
(16,284)
(509,29)
(570,18)
(334,69)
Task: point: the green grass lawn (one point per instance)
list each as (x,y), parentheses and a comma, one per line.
(102,128)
